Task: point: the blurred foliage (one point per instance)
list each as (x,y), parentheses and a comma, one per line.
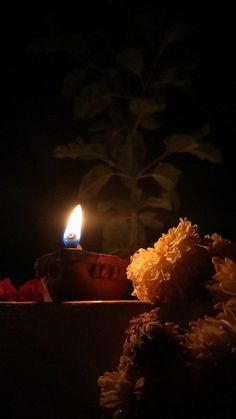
(120,89)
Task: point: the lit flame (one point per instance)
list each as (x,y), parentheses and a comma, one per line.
(72,233)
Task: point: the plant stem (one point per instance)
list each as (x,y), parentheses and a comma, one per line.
(153,162)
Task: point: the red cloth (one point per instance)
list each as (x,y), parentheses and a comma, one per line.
(31,290)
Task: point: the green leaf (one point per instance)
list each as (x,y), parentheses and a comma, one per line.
(203,131)
(188,144)
(123,206)
(150,220)
(168,201)
(81,150)
(120,205)
(117,236)
(70,151)
(163,201)
(117,229)
(166,175)
(148,122)
(93,151)
(94,180)
(175,200)
(71,83)
(206,151)
(91,101)
(179,143)
(177,75)
(176,32)
(132,59)
(144,106)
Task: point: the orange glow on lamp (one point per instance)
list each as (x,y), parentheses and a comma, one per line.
(73,274)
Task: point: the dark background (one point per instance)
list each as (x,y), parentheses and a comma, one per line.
(37,192)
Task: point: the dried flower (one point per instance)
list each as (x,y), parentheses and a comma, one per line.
(174,269)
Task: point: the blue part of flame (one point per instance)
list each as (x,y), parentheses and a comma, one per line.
(71,241)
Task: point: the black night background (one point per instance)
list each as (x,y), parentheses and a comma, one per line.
(38,191)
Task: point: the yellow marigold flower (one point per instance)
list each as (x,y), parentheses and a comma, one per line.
(116,390)
(222,286)
(211,338)
(173,269)
(221,247)
(225,274)
(229,311)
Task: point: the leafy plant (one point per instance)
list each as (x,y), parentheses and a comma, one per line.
(121,100)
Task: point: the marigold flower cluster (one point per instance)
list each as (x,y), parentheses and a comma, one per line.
(162,362)
(174,268)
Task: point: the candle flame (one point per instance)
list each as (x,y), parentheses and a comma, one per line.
(72,232)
